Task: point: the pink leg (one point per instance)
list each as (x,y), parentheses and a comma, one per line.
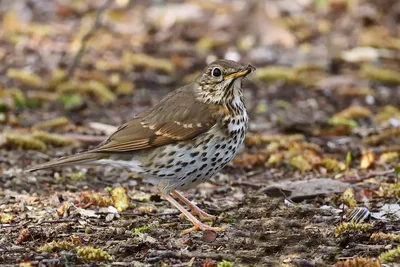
(204,216)
(197,225)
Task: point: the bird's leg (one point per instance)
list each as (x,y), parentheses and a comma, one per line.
(204,216)
(197,225)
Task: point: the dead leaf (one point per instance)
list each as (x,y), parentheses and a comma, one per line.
(367,160)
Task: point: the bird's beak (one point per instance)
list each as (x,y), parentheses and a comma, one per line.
(240,73)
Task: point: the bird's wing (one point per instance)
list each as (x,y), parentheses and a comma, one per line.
(175,118)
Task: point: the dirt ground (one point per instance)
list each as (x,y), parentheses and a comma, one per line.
(323,138)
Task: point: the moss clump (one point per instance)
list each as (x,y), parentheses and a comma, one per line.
(24,77)
(53,139)
(300,163)
(389,157)
(352,227)
(359,262)
(52,124)
(383,136)
(141,230)
(54,246)
(25,142)
(150,62)
(343,122)
(225,263)
(390,256)
(353,112)
(120,199)
(275,73)
(380,74)
(332,165)
(71,101)
(100,90)
(385,114)
(384,236)
(6,218)
(393,190)
(77,176)
(125,88)
(348,198)
(90,254)
(95,199)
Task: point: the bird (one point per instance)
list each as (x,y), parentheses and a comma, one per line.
(183,140)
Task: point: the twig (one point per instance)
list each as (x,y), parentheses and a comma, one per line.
(60,221)
(86,139)
(8,225)
(157,255)
(130,214)
(368,176)
(108,129)
(13,225)
(87,36)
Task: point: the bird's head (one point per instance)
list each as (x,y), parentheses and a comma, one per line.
(221,81)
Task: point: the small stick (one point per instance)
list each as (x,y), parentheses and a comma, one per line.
(60,221)
(86,38)
(87,139)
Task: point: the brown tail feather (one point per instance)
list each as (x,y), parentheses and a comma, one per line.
(73,159)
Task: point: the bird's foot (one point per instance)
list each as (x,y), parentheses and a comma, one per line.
(203,227)
(205,217)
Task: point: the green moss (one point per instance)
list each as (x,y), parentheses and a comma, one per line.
(225,263)
(53,139)
(71,101)
(380,74)
(52,123)
(104,94)
(26,142)
(276,73)
(57,246)
(141,230)
(24,77)
(77,176)
(352,227)
(390,256)
(343,122)
(90,254)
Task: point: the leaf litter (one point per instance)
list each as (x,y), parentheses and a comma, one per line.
(323,143)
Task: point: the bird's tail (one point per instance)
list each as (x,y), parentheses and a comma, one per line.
(80,158)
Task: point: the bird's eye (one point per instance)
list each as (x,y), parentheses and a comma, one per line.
(216,72)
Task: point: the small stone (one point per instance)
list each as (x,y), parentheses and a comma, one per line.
(110,217)
(209,236)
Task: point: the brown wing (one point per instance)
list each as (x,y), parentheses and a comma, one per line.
(177,117)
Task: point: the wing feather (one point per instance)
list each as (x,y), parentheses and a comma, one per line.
(179,116)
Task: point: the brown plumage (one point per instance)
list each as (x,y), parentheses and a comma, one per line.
(184,139)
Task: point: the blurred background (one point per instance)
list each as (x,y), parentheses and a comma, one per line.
(75,57)
(324,101)
(326,68)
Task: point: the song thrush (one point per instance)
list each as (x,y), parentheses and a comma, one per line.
(183,140)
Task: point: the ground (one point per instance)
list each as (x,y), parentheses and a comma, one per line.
(323,137)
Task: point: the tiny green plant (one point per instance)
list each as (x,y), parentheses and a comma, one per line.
(397,171)
(348,162)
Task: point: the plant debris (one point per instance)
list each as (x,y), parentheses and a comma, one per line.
(315,183)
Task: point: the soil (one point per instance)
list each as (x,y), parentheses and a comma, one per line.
(303,81)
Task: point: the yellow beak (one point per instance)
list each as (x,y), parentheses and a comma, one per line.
(240,73)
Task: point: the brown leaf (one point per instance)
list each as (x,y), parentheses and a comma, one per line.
(367,160)
(209,236)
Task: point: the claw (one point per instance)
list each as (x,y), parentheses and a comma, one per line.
(196,211)
(203,227)
(197,225)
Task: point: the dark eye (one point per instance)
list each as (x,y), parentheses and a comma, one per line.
(216,72)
